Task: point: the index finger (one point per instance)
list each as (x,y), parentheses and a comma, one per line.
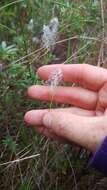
(88,76)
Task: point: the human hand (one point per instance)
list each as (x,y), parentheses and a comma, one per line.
(85,123)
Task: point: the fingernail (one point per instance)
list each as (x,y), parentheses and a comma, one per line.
(47,120)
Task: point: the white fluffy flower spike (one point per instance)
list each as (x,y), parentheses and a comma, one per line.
(55,79)
(50,34)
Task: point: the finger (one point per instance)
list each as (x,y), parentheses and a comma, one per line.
(79,111)
(91,77)
(35,117)
(76,96)
(85,131)
(42,130)
(102,100)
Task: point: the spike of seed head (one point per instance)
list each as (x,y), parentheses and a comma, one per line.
(50,34)
(55,79)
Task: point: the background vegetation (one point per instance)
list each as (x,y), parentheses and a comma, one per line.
(82,38)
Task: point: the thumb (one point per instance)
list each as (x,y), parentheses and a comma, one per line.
(88,132)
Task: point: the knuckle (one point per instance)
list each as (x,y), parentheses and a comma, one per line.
(102,96)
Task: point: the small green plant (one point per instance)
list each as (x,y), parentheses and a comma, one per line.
(10,143)
(7,52)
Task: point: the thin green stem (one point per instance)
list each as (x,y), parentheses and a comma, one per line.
(9,4)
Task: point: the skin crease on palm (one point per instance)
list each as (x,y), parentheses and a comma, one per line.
(86,122)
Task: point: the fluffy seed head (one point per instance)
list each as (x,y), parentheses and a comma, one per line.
(50,34)
(55,79)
